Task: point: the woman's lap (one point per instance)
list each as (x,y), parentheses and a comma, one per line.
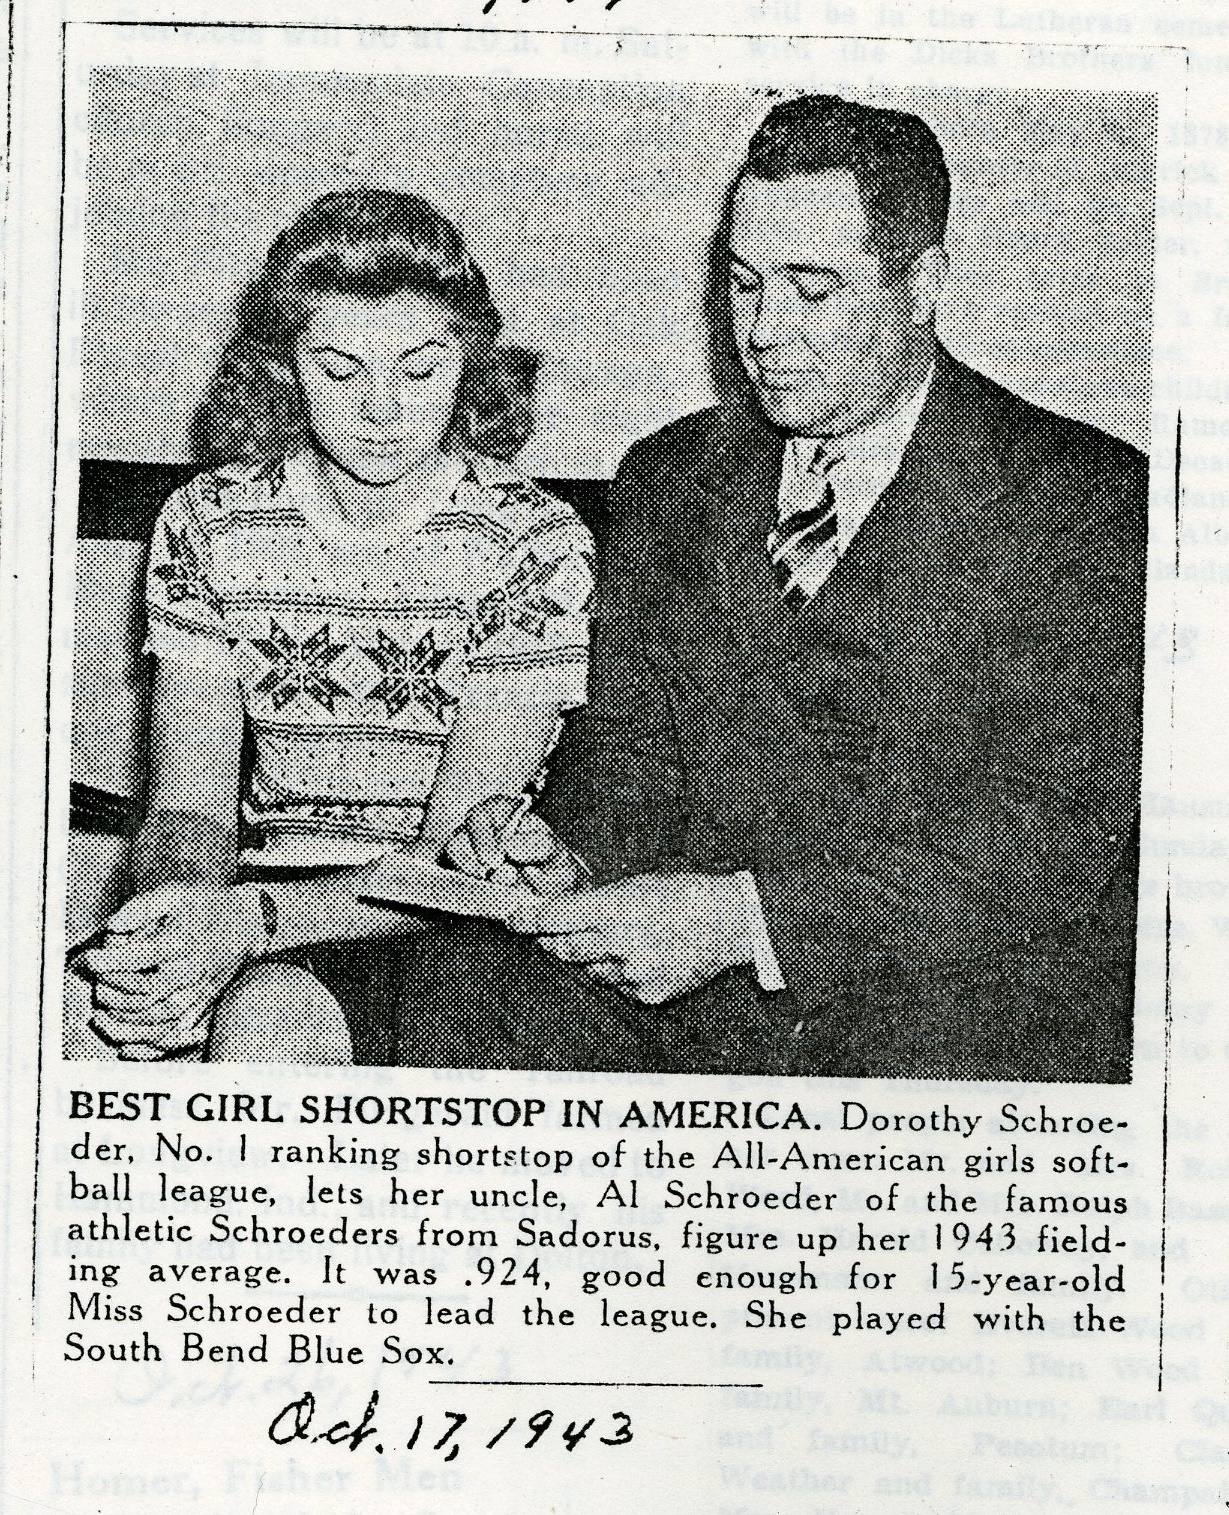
(467,994)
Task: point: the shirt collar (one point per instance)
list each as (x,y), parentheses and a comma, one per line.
(870,457)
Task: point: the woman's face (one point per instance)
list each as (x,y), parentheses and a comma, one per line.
(380,382)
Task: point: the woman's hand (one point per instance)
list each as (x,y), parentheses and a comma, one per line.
(498,844)
(168,954)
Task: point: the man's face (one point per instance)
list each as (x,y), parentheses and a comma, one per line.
(826,344)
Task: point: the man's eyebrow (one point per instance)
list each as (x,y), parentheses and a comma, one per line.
(807,270)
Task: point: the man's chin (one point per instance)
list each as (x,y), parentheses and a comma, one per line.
(794,412)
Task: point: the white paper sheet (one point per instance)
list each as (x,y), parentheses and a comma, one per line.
(401,880)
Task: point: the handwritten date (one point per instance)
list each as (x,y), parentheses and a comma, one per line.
(295,1422)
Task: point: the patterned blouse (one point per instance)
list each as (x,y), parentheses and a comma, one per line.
(354,647)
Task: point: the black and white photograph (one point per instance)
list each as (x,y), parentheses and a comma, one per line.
(690,539)
(613,716)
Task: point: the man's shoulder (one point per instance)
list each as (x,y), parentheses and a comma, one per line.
(1033,440)
(682,445)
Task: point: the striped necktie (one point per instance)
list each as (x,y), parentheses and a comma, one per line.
(803,544)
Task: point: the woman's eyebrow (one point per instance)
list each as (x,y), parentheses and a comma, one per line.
(422,347)
(813,271)
(326,348)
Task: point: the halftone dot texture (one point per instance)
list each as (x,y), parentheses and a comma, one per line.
(590,206)
(950,689)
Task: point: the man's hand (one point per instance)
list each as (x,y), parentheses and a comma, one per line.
(653,936)
(527,852)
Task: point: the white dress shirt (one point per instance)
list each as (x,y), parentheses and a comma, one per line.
(869,460)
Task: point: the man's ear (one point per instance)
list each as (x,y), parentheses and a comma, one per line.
(927,276)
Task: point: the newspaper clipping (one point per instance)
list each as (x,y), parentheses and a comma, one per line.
(611,903)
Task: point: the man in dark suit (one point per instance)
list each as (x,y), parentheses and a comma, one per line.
(858,781)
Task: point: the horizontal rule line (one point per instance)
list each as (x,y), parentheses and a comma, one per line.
(583,1383)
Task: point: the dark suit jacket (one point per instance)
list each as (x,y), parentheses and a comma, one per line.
(932,770)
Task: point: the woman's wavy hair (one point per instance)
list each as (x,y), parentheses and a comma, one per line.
(370,244)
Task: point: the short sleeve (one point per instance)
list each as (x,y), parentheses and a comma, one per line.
(531,629)
(183,610)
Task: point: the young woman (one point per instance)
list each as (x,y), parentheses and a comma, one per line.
(365,593)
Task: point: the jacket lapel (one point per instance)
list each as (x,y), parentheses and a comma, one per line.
(942,520)
(718,581)
(725,628)
(741,480)
(952,472)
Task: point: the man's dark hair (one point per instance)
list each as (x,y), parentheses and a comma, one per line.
(894,157)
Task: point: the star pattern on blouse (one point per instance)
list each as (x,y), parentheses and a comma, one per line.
(299,667)
(274,474)
(183,573)
(410,676)
(524,601)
